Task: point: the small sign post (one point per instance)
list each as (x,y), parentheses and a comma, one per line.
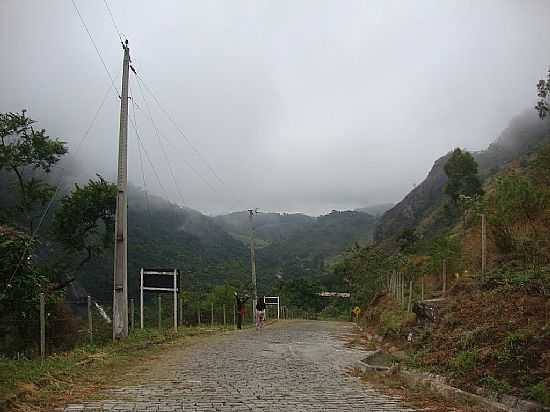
(160,280)
(273,300)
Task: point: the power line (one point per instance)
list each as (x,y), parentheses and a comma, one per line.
(134,125)
(160,135)
(144,184)
(133,122)
(181,132)
(163,150)
(96,48)
(113,20)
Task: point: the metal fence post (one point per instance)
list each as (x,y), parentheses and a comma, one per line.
(132,315)
(160,311)
(234,317)
(90,327)
(224,316)
(181,311)
(42,326)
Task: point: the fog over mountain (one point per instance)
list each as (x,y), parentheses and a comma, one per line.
(299,106)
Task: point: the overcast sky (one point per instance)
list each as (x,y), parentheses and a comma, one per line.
(296,105)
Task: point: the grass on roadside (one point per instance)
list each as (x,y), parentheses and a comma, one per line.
(28,383)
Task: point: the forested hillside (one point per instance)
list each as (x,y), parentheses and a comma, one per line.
(269,227)
(523,135)
(306,253)
(161,234)
(458,280)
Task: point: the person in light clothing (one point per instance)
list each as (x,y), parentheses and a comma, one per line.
(260,313)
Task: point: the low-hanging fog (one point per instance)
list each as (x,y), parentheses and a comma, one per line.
(296,105)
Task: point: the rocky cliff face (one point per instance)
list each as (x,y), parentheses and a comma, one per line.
(524,133)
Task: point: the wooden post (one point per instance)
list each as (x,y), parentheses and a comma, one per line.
(199,316)
(132,314)
(224,316)
(422,293)
(181,311)
(409,306)
(234,317)
(211,315)
(90,329)
(402,290)
(445,275)
(483,244)
(42,326)
(160,311)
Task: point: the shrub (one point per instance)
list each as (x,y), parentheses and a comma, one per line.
(495,385)
(540,393)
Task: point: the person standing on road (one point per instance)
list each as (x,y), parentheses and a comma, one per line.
(260,313)
(240,302)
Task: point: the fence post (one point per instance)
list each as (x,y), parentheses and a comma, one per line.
(211,315)
(445,276)
(132,314)
(160,311)
(224,316)
(199,316)
(181,311)
(422,291)
(90,327)
(409,306)
(403,290)
(42,326)
(234,317)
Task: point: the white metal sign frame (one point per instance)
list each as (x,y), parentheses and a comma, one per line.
(273,300)
(173,289)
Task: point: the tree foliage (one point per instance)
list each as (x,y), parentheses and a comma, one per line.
(462,172)
(23,151)
(365,269)
(85,220)
(543,92)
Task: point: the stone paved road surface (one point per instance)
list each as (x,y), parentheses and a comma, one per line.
(289,366)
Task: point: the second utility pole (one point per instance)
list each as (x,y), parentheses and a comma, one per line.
(120,284)
(253,261)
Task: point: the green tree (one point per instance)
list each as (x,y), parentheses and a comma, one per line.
(445,248)
(543,88)
(20,285)
(462,172)
(408,240)
(517,212)
(85,221)
(25,151)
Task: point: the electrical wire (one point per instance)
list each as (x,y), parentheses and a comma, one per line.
(113,20)
(140,141)
(161,136)
(163,150)
(145,190)
(96,48)
(179,129)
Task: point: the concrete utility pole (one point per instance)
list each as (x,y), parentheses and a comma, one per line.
(252,212)
(120,284)
(483,244)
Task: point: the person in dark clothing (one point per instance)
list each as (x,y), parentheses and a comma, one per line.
(240,302)
(260,312)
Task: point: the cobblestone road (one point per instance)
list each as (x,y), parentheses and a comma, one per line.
(290,366)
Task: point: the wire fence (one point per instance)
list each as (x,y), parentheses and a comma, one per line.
(61,326)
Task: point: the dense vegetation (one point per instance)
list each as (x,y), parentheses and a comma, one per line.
(490,329)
